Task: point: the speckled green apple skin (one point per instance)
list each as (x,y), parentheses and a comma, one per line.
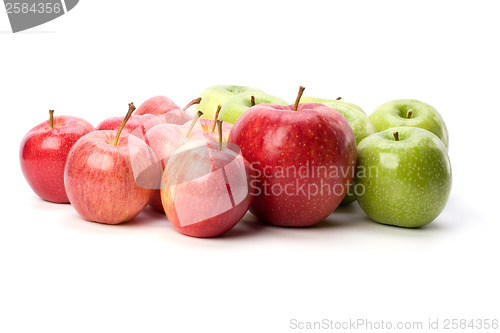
(406,183)
(394,113)
(217,95)
(309,99)
(234,107)
(359,122)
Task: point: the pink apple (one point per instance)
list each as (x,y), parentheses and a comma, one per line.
(167,109)
(304,156)
(207,188)
(137,125)
(43,154)
(110,176)
(209,127)
(164,139)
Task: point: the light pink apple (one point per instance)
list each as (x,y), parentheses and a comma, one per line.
(110,176)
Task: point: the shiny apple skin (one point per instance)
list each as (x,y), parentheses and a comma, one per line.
(206,192)
(100,181)
(164,139)
(165,107)
(137,125)
(315,137)
(43,154)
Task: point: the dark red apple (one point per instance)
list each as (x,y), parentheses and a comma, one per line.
(43,154)
(111,176)
(207,188)
(304,157)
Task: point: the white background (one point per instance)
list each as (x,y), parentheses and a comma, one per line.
(60,273)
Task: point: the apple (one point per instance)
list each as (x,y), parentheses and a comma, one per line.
(304,156)
(43,154)
(166,109)
(207,188)
(309,99)
(209,125)
(360,124)
(403,176)
(137,125)
(216,95)
(110,176)
(236,105)
(164,139)
(409,112)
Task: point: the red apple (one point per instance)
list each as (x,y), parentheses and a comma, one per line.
(167,109)
(137,125)
(109,176)
(43,154)
(164,139)
(207,188)
(304,157)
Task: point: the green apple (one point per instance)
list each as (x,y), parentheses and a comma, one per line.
(236,105)
(409,112)
(403,176)
(308,99)
(359,122)
(217,95)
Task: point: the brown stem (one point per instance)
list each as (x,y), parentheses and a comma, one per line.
(252,100)
(299,95)
(195,119)
(396,136)
(131,109)
(408,115)
(219,129)
(51,118)
(216,117)
(193,102)
(338,98)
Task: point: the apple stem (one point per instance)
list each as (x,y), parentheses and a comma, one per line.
(193,102)
(252,100)
(51,118)
(195,119)
(131,109)
(396,136)
(216,117)
(408,115)
(299,95)
(338,98)
(219,129)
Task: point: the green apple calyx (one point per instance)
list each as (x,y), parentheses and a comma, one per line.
(396,136)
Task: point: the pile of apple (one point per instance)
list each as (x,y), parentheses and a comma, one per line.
(243,149)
